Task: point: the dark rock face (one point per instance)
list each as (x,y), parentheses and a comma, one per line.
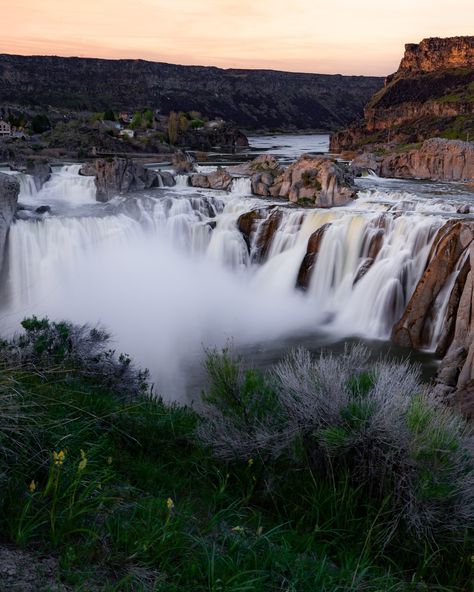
(9,190)
(258,228)
(119,175)
(309,260)
(40,169)
(428,96)
(453,251)
(247,98)
(411,330)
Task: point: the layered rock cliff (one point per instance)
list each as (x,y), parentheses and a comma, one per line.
(431,94)
(253,99)
(437,159)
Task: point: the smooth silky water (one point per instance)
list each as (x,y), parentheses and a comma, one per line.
(168,272)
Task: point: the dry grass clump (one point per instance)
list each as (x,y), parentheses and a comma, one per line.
(341,415)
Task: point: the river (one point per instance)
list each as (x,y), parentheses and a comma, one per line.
(168,272)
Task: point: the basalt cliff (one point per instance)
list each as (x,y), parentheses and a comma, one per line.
(253,99)
(430,95)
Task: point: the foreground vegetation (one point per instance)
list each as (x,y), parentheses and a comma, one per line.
(323,474)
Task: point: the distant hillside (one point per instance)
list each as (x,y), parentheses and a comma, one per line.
(252,99)
(431,94)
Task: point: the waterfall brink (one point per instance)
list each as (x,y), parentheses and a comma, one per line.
(241,186)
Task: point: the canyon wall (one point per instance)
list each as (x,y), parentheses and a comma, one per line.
(431,94)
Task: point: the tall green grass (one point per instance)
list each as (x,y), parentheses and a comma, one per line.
(129,494)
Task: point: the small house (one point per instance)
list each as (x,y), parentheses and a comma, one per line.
(5,128)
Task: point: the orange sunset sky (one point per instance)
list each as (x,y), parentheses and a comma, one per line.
(341,36)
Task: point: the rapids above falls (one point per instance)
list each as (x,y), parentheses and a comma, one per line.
(169,272)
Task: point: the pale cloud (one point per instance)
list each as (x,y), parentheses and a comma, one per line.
(363,37)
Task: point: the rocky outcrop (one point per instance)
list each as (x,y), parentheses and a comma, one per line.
(40,169)
(320,181)
(9,190)
(430,95)
(264,163)
(434,54)
(437,159)
(119,175)
(182,162)
(450,264)
(220,180)
(413,329)
(309,260)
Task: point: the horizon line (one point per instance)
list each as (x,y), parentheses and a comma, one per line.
(188,65)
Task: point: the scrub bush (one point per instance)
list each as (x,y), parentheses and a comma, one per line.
(341,415)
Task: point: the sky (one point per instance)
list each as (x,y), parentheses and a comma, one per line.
(340,36)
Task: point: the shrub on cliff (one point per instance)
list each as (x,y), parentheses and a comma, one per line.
(335,416)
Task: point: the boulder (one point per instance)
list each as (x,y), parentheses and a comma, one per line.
(119,175)
(220,180)
(322,181)
(199,181)
(261,164)
(363,162)
(43,209)
(9,190)
(182,162)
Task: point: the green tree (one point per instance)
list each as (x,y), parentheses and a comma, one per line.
(40,124)
(109,115)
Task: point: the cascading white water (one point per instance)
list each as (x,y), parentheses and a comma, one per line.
(67,185)
(182,180)
(169,270)
(241,186)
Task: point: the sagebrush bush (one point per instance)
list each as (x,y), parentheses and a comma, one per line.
(375,421)
(75,349)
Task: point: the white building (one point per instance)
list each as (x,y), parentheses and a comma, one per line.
(5,128)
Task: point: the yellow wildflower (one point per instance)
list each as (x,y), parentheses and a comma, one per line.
(169,504)
(109,460)
(238,529)
(32,486)
(58,457)
(83,461)
(250,463)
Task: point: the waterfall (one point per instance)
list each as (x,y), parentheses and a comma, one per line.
(166,269)
(28,191)
(182,180)
(241,186)
(67,185)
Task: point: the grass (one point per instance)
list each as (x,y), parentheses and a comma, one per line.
(127,497)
